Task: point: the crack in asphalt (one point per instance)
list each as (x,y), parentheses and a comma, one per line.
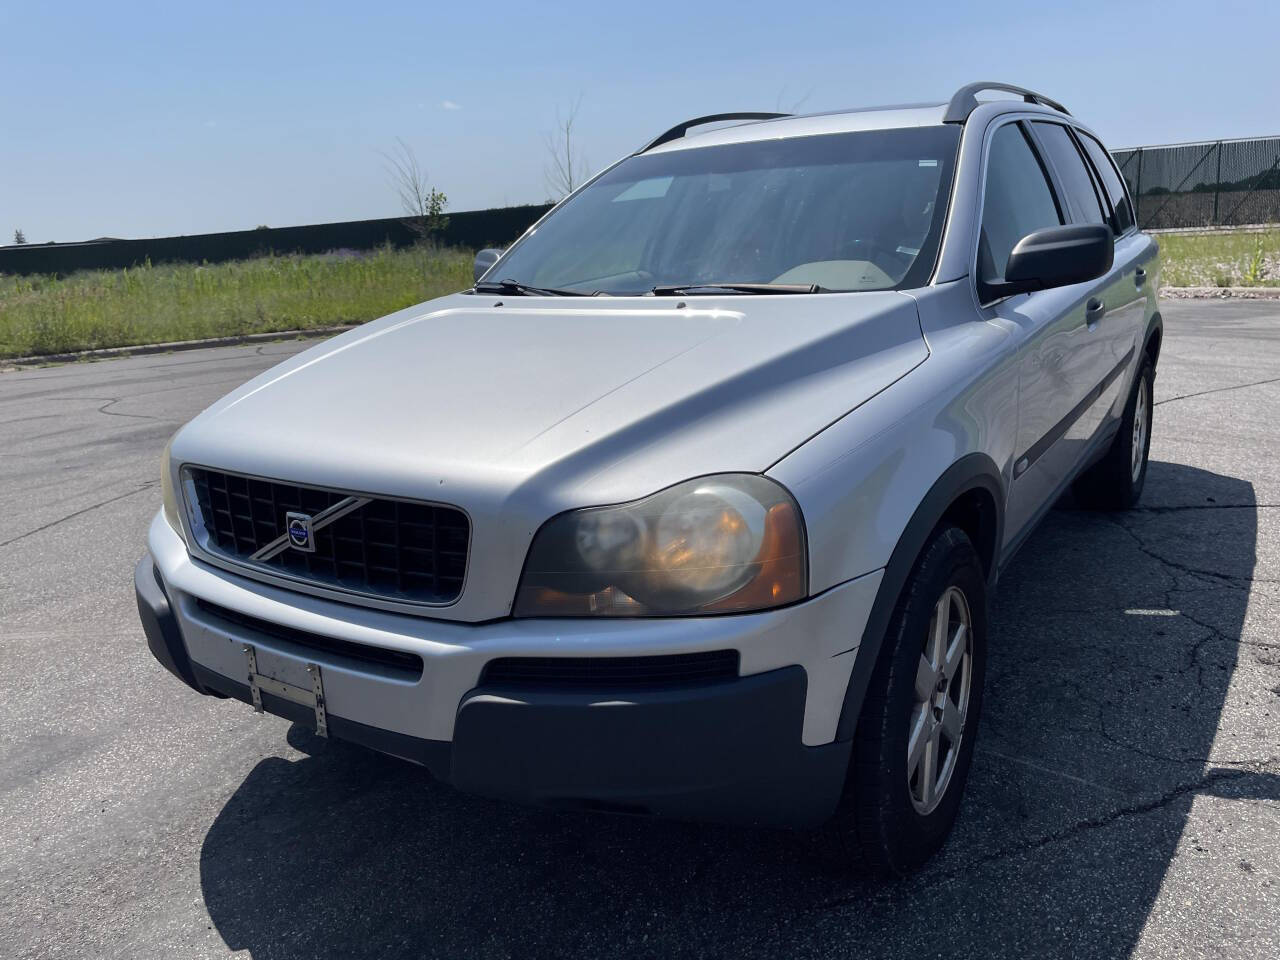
(1206,506)
(12,369)
(1032,765)
(41,416)
(190,381)
(1229,579)
(112,413)
(72,516)
(203,360)
(1176,585)
(1222,770)
(1212,632)
(108,402)
(1070,832)
(1205,393)
(1208,779)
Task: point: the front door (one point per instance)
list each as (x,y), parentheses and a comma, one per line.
(1060,354)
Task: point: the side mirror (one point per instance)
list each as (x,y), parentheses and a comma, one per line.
(484,260)
(1056,257)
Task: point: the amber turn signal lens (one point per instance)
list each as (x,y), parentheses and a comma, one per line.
(780,579)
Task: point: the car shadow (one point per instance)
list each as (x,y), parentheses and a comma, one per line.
(1115,641)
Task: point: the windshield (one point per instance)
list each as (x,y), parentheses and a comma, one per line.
(848,211)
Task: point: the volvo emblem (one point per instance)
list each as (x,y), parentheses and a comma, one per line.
(301,535)
(300,528)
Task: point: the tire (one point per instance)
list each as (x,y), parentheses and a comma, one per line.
(1115,482)
(887,821)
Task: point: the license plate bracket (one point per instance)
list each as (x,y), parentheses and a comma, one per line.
(260,683)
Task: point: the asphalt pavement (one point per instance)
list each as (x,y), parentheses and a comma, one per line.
(1124,799)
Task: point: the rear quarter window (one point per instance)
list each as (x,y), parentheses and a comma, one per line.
(1111,180)
(1077,182)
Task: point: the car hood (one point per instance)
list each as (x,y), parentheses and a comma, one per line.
(516,412)
(604,399)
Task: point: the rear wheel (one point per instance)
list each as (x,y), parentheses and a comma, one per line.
(1115,482)
(915,735)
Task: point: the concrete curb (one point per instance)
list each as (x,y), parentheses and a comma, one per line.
(174,347)
(1221,293)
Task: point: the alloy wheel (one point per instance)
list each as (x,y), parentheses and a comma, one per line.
(942,687)
(1141,417)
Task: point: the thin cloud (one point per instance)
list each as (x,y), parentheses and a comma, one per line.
(450,105)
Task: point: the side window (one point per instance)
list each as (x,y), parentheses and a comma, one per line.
(1115,187)
(1077,182)
(1018,200)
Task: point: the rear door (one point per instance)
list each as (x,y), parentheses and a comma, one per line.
(1059,360)
(1126,295)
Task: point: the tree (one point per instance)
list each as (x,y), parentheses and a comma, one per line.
(422,203)
(782,104)
(566,168)
(19,237)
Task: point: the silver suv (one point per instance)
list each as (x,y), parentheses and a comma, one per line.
(692,506)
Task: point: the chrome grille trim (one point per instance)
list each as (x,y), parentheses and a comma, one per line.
(318,522)
(447,521)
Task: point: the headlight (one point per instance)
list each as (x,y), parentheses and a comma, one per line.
(722,544)
(172,512)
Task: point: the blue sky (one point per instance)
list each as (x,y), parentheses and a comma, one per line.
(129,119)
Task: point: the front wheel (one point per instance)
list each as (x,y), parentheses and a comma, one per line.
(915,735)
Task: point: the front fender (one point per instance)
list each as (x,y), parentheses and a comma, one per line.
(976,471)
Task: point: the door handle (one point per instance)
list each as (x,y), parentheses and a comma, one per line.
(1093,310)
(1139,277)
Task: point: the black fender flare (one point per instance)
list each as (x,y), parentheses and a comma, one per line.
(970,472)
(1155,328)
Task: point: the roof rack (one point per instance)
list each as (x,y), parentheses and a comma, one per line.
(680,129)
(965,100)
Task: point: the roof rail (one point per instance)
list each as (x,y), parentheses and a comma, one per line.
(965,100)
(680,129)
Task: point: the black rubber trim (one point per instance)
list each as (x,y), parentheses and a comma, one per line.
(726,751)
(974,471)
(1096,451)
(1038,449)
(409,665)
(164,638)
(722,751)
(1154,327)
(595,673)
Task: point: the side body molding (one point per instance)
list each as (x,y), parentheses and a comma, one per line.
(973,471)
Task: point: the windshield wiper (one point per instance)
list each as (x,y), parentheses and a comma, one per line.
(686,289)
(517,289)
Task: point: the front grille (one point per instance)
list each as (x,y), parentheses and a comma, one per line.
(363,653)
(612,672)
(392,549)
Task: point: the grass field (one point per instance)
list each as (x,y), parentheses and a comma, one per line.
(1221,259)
(111,308)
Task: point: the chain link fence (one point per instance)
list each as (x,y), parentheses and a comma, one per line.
(1222,183)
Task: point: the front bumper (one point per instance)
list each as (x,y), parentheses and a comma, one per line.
(757,748)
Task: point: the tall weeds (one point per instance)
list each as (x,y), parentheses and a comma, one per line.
(148,304)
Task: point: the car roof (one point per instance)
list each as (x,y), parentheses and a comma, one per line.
(877,118)
(765,127)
